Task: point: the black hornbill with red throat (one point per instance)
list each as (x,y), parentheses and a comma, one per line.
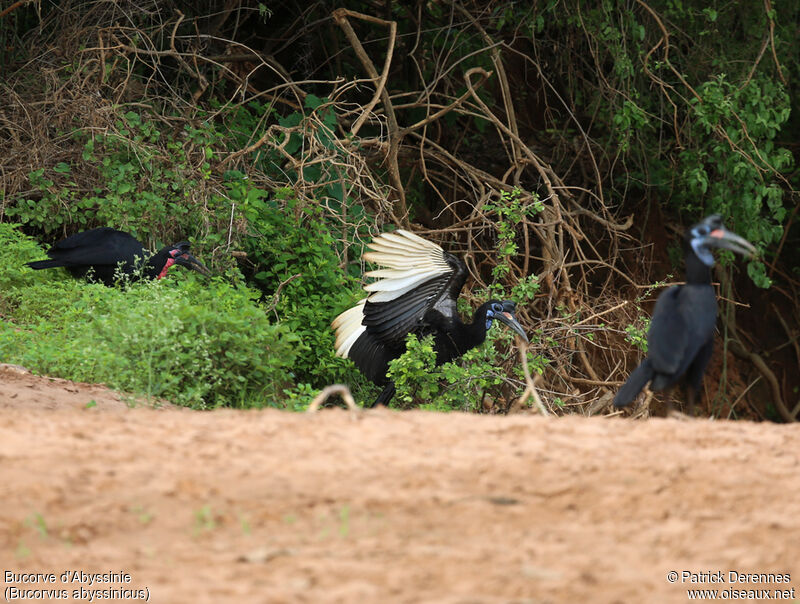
(416,293)
(104,254)
(681,335)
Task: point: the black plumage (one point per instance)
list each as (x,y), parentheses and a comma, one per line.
(104,254)
(416,294)
(681,336)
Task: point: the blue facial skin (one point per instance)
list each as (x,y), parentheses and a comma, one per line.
(495,308)
(703,253)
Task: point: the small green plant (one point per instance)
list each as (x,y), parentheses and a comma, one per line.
(344,521)
(457,385)
(36,522)
(648,291)
(630,119)
(22,551)
(244,523)
(537,363)
(414,372)
(525,290)
(144,516)
(204,521)
(299,397)
(637,334)
(510,212)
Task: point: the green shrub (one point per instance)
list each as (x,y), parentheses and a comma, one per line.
(456,386)
(298,270)
(194,341)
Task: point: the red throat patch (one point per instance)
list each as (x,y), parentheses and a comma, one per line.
(163,273)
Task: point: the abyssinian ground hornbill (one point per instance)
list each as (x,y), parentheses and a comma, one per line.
(104,254)
(681,335)
(416,293)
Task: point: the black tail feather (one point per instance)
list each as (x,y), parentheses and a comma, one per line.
(633,386)
(40,264)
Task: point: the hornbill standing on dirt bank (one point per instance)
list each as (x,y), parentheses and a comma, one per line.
(416,293)
(681,335)
(104,254)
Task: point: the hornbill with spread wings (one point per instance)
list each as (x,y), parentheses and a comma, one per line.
(416,293)
(103,254)
(681,335)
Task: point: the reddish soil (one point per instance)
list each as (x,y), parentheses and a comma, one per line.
(381,506)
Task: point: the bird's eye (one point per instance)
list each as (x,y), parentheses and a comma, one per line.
(702,231)
(497,307)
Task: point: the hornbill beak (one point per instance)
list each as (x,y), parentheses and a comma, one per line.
(723,238)
(190,262)
(507,317)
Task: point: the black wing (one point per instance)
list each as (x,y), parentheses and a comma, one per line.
(681,328)
(390,322)
(668,336)
(102,246)
(418,277)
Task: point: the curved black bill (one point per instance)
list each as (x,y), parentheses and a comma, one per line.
(190,262)
(507,318)
(722,237)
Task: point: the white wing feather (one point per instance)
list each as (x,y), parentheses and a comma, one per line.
(408,261)
(348,328)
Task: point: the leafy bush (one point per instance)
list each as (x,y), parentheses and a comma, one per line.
(456,386)
(135,184)
(737,158)
(299,272)
(194,341)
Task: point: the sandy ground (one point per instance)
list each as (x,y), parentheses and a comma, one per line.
(384,506)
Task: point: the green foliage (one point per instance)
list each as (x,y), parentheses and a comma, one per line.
(414,372)
(193,341)
(525,290)
(536,363)
(695,121)
(293,249)
(458,385)
(137,185)
(15,250)
(299,272)
(299,397)
(510,212)
(629,119)
(737,157)
(637,334)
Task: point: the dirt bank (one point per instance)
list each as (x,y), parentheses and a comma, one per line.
(387,507)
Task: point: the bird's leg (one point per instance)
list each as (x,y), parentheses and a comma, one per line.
(672,411)
(644,409)
(691,399)
(385,396)
(670,408)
